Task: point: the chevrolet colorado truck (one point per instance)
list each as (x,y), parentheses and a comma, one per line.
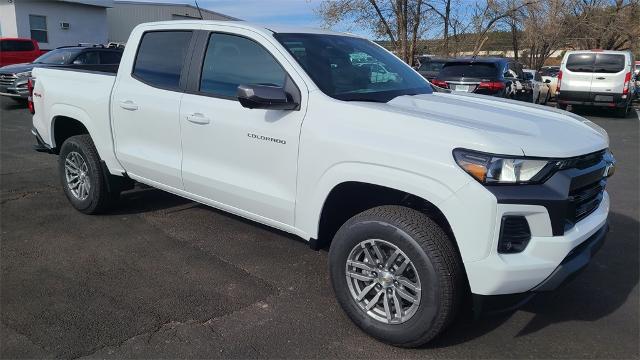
(430,202)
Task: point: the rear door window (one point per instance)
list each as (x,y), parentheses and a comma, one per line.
(609,63)
(88,58)
(470,70)
(581,62)
(16,45)
(160,58)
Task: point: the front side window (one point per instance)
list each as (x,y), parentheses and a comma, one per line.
(233,60)
(353,69)
(58,57)
(38,27)
(87,58)
(161,55)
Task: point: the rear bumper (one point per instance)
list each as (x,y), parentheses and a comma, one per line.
(586,98)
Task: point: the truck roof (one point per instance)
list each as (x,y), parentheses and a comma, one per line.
(262,28)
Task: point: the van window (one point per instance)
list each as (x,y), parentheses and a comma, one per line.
(581,62)
(16,45)
(609,63)
(233,60)
(160,58)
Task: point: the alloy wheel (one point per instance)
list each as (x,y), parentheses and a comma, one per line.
(383,281)
(76,173)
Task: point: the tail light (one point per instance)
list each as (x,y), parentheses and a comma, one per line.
(30,85)
(494,86)
(440,83)
(627,81)
(559,81)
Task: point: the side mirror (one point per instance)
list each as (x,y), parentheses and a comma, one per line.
(77,62)
(265,97)
(547,81)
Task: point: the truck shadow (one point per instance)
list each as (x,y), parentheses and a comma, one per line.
(603,287)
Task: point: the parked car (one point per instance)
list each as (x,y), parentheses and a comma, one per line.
(599,78)
(427,199)
(551,73)
(430,67)
(488,76)
(13,78)
(377,72)
(16,51)
(540,87)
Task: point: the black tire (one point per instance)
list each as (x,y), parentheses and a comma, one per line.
(561,106)
(100,195)
(624,112)
(433,256)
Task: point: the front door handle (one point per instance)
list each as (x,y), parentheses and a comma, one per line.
(601,78)
(129,105)
(198,118)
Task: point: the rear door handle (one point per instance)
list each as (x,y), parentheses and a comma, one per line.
(601,78)
(129,105)
(198,118)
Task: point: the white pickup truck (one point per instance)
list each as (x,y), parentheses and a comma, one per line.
(429,201)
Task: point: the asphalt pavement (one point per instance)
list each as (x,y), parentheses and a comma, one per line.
(163,277)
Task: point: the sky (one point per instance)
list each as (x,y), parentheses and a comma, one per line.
(282,12)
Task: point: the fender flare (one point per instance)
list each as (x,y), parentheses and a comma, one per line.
(311,207)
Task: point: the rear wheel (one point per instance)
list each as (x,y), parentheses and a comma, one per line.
(83,178)
(396,274)
(624,112)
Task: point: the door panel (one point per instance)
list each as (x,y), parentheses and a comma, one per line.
(241,158)
(145,109)
(609,73)
(578,74)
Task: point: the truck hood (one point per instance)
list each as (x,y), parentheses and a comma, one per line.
(537,130)
(18,68)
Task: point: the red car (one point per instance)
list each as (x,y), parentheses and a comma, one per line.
(16,51)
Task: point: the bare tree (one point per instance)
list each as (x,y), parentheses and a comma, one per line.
(607,24)
(400,21)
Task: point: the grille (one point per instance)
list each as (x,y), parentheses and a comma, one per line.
(7,79)
(586,200)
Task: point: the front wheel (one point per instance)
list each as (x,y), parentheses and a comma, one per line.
(396,274)
(83,179)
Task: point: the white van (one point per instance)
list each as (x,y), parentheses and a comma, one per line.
(597,78)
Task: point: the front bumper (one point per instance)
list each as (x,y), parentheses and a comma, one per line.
(17,89)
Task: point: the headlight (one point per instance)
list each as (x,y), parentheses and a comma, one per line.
(24,74)
(497,169)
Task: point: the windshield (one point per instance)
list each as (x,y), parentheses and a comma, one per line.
(433,66)
(353,69)
(57,57)
(469,69)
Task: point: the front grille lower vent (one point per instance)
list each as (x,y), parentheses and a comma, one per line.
(514,234)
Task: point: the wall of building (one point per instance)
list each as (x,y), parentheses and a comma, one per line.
(8,26)
(88,24)
(124,16)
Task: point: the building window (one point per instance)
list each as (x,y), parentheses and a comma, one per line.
(38,26)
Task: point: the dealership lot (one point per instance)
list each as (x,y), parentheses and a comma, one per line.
(164,277)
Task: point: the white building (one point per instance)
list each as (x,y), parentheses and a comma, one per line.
(123,16)
(55,23)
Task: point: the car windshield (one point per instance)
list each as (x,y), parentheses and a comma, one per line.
(433,66)
(57,57)
(353,69)
(469,69)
